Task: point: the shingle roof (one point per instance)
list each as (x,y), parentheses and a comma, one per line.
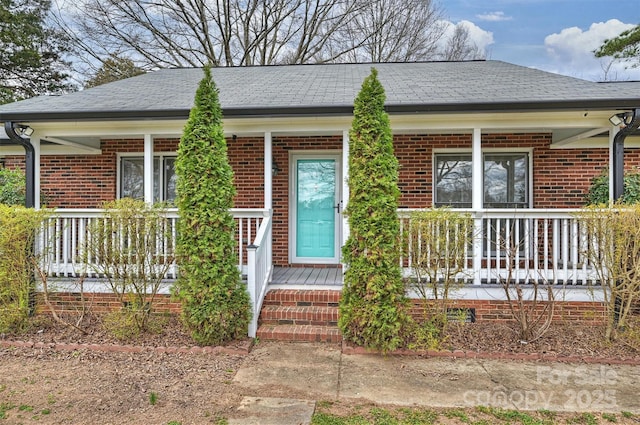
(330,89)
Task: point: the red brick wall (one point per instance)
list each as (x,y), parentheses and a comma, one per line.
(246,156)
(415,154)
(86,181)
(561,177)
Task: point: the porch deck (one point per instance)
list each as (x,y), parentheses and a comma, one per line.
(315,278)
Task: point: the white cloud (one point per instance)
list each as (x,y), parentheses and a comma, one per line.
(477,35)
(480,37)
(494,17)
(571,51)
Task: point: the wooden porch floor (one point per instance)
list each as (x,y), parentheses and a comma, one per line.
(308,276)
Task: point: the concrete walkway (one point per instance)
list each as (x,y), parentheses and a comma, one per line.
(322,372)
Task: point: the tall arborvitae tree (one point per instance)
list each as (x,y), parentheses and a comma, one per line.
(372,309)
(215,304)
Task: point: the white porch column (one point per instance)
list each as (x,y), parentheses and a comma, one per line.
(476,202)
(268,171)
(612,135)
(345,185)
(35,142)
(148,169)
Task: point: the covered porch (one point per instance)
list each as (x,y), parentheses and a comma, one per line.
(551,247)
(266,153)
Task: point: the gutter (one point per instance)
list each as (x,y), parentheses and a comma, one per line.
(329,110)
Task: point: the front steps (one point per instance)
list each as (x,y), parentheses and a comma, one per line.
(300,315)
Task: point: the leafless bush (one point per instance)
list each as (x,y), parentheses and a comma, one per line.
(613,249)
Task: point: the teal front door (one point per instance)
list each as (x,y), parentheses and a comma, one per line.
(315,209)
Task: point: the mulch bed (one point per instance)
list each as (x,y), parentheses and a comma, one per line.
(563,340)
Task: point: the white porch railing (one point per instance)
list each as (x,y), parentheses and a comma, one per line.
(259,256)
(66,233)
(523,245)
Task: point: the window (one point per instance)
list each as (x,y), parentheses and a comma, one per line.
(505,180)
(132,178)
(453,180)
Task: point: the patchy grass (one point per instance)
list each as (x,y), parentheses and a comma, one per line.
(338,413)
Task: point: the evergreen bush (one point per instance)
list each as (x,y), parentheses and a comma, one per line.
(12,187)
(599,189)
(215,305)
(373,305)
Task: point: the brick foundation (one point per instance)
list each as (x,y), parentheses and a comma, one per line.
(587,313)
(485,310)
(71,302)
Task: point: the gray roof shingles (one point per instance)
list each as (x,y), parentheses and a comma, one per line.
(330,88)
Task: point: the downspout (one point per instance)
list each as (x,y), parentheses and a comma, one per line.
(29,160)
(618,154)
(618,177)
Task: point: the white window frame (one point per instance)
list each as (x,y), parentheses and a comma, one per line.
(459,151)
(156,155)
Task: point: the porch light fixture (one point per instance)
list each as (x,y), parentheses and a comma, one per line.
(23,130)
(625,118)
(631,121)
(274,168)
(16,132)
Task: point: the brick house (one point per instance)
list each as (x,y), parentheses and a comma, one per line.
(512,145)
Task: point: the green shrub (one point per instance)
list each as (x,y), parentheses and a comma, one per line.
(599,189)
(215,305)
(12,187)
(373,305)
(18,230)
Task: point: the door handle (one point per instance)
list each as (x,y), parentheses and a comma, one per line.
(337,207)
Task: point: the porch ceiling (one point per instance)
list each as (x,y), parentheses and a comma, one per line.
(568,128)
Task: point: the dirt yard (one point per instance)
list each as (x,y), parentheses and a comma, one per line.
(47,386)
(87,387)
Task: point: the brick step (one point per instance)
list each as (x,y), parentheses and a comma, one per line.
(307,333)
(302,297)
(299,315)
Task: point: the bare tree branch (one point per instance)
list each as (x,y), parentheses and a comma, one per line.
(176,33)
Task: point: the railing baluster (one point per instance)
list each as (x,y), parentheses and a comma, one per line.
(240,241)
(565,249)
(555,246)
(536,248)
(574,250)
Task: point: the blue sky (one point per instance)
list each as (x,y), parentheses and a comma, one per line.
(552,35)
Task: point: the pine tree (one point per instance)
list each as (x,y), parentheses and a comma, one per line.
(215,304)
(31,53)
(372,309)
(114,68)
